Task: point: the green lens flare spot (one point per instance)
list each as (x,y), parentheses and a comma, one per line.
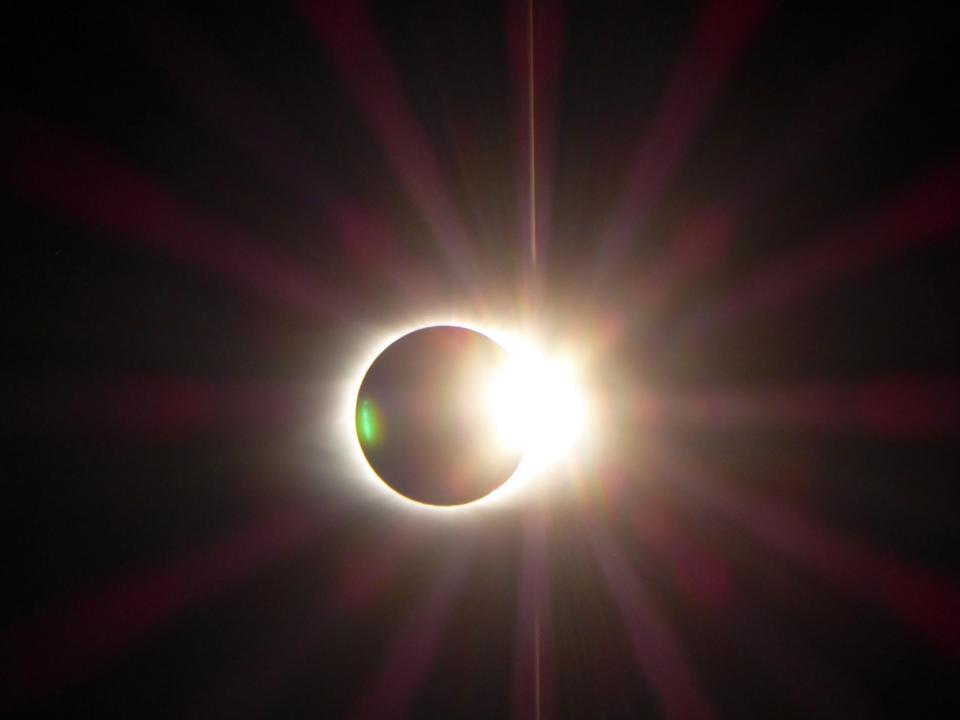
(367,425)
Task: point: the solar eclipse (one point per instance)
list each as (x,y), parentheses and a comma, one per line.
(446,416)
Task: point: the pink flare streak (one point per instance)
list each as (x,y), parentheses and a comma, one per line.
(657,649)
(548,37)
(703,577)
(835,104)
(74,638)
(921,599)
(158,406)
(412,650)
(67,174)
(365,235)
(700,242)
(366,574)
(534,671)
(892,406)
(373,247)
(722,33)
(368,571)
(348,33)
(925,212)
(698,573)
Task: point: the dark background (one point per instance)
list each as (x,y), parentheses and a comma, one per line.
(184,283)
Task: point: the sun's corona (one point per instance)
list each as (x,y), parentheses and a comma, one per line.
(524,412)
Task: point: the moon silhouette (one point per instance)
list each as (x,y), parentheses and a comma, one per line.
(422,421)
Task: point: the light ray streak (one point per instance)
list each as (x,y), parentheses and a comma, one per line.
(657,650)
(830,109)
(250,686)
(809,681)
(924,212)
(157,407)
(233,108)
(230,105)
(411,653)
(833,108)
(535,45)
(897,406)
(721,35)
(700,241)
(701,574)
(368,571)
(921,599)
(533,652)
(49,165)
(536,664)
(533,138)
(347,32)
(74,638)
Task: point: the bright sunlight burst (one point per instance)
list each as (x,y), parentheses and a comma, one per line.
(537,406)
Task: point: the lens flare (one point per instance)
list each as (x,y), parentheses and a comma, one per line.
(537,406)
(367,422)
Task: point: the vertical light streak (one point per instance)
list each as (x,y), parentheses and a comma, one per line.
(532,668)
(533,263)
(533,140)
(536,663)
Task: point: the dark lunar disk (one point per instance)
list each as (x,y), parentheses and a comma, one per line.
(422,420)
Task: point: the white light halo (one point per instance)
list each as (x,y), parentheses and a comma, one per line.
(345,422)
